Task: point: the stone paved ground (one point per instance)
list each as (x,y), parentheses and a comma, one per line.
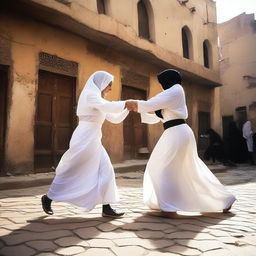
(25,230)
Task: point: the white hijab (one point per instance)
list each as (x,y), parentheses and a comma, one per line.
(96,83)
(247,129)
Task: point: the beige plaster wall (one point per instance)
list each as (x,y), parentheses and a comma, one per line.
(169,18)
(204,99)
(28,38)
(20,123)
(82,18)
(238,40)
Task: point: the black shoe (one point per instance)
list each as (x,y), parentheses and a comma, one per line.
(46,204)
(107,211)
(227,209)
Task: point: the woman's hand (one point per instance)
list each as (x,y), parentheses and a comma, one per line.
(131,105)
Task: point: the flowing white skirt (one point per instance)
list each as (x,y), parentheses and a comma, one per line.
(85,175)
(176,179)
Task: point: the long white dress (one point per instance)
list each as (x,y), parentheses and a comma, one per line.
(85,175)
(176,179)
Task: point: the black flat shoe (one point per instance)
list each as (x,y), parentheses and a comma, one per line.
(109,212)
(227,209)
(46,204)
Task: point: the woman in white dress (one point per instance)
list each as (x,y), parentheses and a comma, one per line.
(85,175)
(176,179)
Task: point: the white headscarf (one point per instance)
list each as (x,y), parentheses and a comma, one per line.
(96,83)
(247,129)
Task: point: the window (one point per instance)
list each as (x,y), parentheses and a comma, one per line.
(101,6)
(187,43)
(207,53)
(143,20)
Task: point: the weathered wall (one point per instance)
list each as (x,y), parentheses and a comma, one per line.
(238,68)
(169,18)
(26,38)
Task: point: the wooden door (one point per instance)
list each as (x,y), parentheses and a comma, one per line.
(3,100)
(204,123)
(135,133)
(55,118)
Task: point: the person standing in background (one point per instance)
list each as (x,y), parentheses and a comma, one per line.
(248,135)
(236,144)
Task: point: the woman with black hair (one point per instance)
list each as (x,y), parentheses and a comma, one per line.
(176,179)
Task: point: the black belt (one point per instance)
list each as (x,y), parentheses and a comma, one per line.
(173,122)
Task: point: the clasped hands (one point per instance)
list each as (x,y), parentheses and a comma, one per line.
(131,105)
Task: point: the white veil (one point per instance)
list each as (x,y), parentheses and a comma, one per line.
(96,83)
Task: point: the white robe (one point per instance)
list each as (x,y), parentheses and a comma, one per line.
(85,175)
(176,179)
(248,135)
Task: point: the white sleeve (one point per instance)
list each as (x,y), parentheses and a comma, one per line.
(106,106)
(165,99)
(149,118)
(117,117)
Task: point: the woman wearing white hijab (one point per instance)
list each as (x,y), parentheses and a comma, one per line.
(85,175)
(248,135)
(176,179)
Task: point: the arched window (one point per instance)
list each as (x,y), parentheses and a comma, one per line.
(101,6)
(146,25)
(187,43)
(143,20)
(207,53)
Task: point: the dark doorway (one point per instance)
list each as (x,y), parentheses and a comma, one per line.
(3,112)
(241,116)
(226,120)
(204,123)
(135,133)
(55,118)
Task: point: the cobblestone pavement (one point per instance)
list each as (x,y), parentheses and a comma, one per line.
(25,230)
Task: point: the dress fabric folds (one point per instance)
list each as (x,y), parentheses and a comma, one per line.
(176,179)
(92,179)
(85,175)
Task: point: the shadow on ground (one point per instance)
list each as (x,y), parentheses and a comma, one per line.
(150,231)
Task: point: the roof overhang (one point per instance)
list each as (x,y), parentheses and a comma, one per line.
(105,30)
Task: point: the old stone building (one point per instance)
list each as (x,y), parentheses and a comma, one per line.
(238,70)
(48,49)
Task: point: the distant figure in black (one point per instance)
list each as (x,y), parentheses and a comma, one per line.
(237,149)
(215,150)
